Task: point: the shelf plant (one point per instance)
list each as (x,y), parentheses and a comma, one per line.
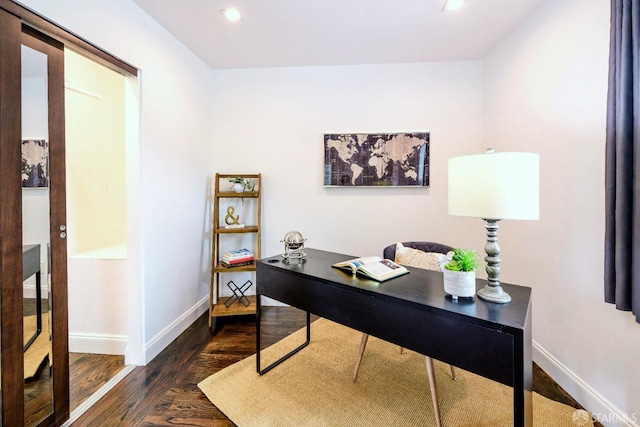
(238,184)
(241,184)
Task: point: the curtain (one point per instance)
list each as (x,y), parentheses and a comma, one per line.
(622,170)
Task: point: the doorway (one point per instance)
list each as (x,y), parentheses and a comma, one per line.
(95,124)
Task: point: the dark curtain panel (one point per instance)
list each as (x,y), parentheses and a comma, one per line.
(622,174)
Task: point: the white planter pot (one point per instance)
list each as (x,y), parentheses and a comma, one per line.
(238,187)
(459,283)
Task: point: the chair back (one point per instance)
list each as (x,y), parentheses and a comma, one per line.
(390,251)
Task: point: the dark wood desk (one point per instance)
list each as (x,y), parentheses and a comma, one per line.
(31,266)
(412,311)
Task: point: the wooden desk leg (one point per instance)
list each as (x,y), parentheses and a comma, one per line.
(434,391)
(356,368)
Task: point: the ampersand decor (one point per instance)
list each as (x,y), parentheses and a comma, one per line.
(230,219)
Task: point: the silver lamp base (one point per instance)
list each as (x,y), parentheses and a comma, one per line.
(494,294)
(492,291)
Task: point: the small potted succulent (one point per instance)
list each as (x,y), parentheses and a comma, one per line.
(459,272)
(238,184)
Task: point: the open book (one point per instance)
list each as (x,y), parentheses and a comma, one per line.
(373,267)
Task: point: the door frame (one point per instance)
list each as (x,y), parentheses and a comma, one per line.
(11,326)
(68,38)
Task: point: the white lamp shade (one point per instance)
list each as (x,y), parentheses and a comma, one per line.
(495,186)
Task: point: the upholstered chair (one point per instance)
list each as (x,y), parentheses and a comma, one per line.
(422,255)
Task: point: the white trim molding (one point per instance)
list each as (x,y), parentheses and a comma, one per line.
(91,400)
(171,332)
(29,291)
(600,408)
(97,343)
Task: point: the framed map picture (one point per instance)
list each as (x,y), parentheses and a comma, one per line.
(35,163)
(376,159)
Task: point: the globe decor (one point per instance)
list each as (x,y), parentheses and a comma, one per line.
(459,271)
(294,246)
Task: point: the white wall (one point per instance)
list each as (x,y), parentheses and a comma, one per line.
(175,148)
(95,157)
(96,206)
(273,120)
(97,305)
(545,91)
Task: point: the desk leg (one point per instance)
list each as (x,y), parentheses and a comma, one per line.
(38,303)
(258,315)
(286,356)
(38,313)
(522,405)
(523,379)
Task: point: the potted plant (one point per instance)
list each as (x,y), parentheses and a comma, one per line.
(459,273)
(238,184)
(249,185)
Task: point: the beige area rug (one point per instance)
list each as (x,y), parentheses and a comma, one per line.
(314,388)
(39,349)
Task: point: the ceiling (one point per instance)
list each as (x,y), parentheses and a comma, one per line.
(291,33)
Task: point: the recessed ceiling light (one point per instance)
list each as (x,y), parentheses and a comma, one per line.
(232,14)
(453,5)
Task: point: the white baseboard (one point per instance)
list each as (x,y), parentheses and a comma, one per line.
(601,409)
(93,399)
(97,343)
(29,291)
(268,302)
(171,332)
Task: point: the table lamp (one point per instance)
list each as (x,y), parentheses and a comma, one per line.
(494,186)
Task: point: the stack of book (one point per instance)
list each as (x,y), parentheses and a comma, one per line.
(237,258)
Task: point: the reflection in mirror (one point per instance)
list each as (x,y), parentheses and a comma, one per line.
(38,386)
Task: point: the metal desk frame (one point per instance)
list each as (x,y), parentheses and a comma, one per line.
(31,266)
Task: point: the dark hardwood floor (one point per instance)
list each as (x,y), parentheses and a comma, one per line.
(165,391)
(87,373)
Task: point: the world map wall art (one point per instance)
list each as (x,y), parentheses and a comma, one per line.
(376,159)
